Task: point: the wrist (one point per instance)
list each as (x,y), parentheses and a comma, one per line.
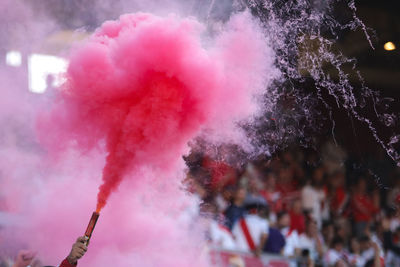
(72,260)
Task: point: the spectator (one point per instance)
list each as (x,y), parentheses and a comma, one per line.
(314,195)
(336,253)
(354,256)
(338,195)
(388,243)
(311,241)
(363,208)
(222,199)
(235,210)
(291,248)
(377,259)
(328,233)
(271,194)
(251,231)
(26,258)
(297,218)
(343,228)
(345,239)
(276,239)
(286,184)
(371,254)
(292,159)
(221,174)
(219,235)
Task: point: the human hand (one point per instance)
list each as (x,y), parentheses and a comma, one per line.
(375,246)
(78,250)
(257,252)
(24,258)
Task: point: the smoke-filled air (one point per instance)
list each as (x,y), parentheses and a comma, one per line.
(144,87)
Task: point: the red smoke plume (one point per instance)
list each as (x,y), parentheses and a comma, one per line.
(146,86)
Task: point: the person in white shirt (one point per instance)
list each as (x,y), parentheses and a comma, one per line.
(336,253)
(311,241)
(371,251)
(354,257)
(221,236)
(251,231)
(313,197)
(217,234)
(291,248)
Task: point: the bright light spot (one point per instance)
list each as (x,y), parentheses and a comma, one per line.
(13,58)
(389,46)
(40,67)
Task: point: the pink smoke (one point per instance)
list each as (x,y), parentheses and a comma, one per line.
(146,86)
(137,91)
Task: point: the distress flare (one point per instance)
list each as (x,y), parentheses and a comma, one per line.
(91,225)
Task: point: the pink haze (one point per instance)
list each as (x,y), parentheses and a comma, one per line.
(140,89)
(146,86)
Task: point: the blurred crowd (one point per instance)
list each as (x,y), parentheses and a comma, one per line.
(317,209)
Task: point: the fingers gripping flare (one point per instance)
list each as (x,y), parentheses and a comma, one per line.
(79,249)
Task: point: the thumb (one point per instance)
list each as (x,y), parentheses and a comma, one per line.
(82,239)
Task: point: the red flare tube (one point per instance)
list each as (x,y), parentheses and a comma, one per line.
(91,225)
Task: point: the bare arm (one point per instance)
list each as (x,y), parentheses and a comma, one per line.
(377,256)
(263,240)
(319,246)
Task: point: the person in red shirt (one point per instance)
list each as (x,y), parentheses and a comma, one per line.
(271,194)
(297,218)
(285,182)
(363,208)
(338,195)
(221,173)
(79,249)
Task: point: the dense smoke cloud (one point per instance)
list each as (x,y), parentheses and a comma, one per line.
(49,197)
